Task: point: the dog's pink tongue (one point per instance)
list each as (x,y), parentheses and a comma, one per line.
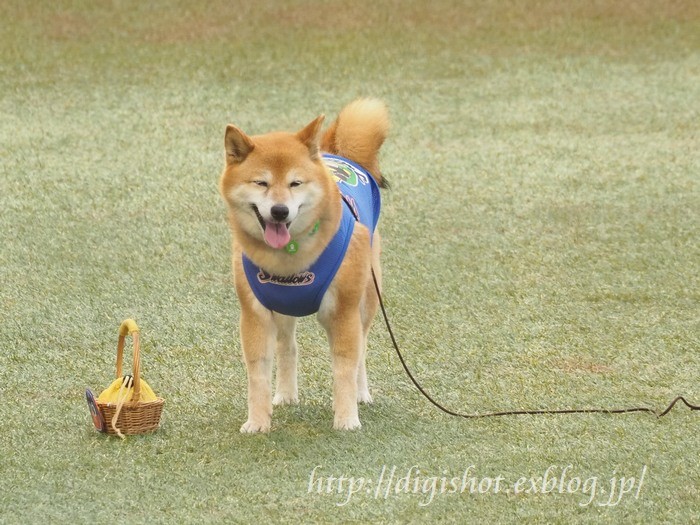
(276,235)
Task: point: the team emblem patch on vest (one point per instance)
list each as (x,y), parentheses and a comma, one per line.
(298,279)
(344,171)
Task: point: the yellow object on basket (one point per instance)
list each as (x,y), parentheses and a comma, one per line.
(115,393)
(128,327)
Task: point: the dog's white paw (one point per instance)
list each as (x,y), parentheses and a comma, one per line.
(253,427)
(282,398)
(364,397)
(347,423)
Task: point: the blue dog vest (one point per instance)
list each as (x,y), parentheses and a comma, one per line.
(301,294)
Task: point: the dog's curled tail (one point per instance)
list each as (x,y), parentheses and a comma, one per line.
(358,133)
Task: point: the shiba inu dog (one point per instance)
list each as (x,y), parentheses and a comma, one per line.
(302,210)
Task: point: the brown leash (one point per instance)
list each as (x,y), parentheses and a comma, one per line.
(514,412)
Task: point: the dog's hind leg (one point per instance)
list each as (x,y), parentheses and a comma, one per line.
(363,395)
(368,309)
(286,391)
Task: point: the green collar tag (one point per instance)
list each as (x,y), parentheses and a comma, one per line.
(292,246)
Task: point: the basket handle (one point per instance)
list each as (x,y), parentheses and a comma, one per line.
(129,327)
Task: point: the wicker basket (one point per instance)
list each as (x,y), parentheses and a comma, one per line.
(134,417)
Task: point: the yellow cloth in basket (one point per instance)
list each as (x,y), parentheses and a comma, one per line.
(115,393)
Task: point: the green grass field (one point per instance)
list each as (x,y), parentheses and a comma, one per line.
(540,251)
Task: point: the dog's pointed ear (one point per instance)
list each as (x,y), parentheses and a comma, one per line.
(311,136)
(238,145)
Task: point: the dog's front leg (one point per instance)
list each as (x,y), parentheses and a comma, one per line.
(345,334)
(286,391)
(258,340)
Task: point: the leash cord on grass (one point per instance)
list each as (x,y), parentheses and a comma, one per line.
(513,412)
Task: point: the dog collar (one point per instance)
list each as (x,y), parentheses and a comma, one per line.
(292,246)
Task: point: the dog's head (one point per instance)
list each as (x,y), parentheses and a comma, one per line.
(274,184)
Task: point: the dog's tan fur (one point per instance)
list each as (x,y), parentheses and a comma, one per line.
(286,168)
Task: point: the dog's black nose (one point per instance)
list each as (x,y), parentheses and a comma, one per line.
(279,212)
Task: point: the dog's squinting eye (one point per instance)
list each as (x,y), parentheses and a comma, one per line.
(261,183)
(295,183)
